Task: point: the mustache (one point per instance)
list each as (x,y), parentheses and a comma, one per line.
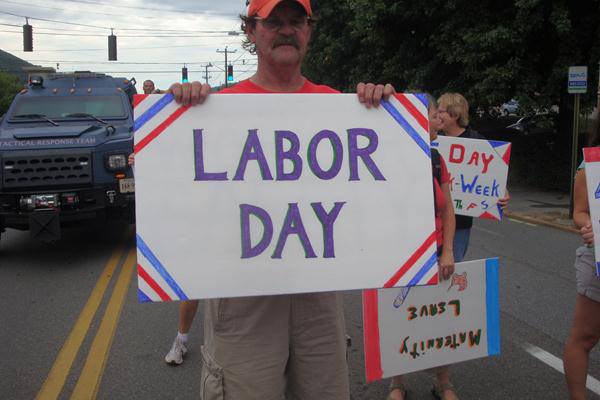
(286,40)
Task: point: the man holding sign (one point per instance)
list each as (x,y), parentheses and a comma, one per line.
(271,347)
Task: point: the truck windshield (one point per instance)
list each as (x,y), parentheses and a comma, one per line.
(56,107)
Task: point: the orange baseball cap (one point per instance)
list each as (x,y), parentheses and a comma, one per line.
(263,8)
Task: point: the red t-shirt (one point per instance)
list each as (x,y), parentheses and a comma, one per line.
(248,86)
(440,202)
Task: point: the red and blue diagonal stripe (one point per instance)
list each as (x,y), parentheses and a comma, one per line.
(418,116)
(157,266)
(150,114)
(416,263)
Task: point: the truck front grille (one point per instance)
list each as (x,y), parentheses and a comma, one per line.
(49,168)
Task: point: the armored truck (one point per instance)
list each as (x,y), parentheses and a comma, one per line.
(64,143)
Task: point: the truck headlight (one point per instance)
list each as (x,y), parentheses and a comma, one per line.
(116,162)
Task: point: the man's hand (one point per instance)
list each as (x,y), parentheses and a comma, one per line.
(131,160)
(370,94)
(446,263)
(190,94)
(587,234)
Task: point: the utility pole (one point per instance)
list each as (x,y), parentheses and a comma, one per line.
(226,51)
(206,72)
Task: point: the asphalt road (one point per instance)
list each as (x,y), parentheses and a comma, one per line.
(71,326)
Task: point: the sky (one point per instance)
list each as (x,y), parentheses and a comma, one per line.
(192,31)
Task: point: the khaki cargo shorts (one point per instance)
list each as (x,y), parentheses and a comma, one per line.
(274,348)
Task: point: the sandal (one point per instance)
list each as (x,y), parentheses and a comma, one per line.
(399,386)
(438,390)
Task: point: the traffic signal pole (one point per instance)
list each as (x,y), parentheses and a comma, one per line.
(226,51)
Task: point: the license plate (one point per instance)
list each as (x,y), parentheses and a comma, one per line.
(127,186)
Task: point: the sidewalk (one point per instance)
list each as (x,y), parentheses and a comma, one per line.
(549,208)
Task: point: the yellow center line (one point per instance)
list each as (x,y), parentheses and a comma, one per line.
(62,365)
(91,375)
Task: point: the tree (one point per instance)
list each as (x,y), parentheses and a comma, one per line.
(490,51)
(9,87)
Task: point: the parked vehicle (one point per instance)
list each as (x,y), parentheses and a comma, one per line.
(534,124)
(64,144)
(510,108)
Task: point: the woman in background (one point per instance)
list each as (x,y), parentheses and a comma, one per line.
(585,330)
(444,227)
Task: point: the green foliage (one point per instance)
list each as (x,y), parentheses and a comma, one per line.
(9,87)
(490,51)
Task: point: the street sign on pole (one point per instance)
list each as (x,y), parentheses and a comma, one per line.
(577,80)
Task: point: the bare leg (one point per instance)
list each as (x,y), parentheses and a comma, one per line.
(396,394)
(187,312)
(585,333)
(442,374)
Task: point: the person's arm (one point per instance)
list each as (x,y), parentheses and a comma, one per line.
(581,209)
(446,261)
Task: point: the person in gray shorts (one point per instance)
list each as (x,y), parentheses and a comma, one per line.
(585,331)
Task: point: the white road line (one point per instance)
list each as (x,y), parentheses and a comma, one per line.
(487,231)
(549,359)
(522,222)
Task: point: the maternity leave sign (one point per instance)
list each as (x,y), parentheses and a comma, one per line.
(591,156)
(479,170)
(412,329)
(257,194)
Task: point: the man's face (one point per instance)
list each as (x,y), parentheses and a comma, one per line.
(434,122)
(282,38)
(148,87)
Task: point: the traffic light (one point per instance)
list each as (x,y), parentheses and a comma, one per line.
(112,47)
(184,75)
(230,73)
(27,37)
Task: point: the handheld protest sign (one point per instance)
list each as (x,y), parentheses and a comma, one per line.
(407,330)
(259,194)
(479,170)
(591,156)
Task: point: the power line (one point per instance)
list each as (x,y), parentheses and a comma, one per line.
(176,71)
(134,62)
(121,48)
(173,10)
(64,9)
(121,36)
(51,20)
(229,32)
(173,31)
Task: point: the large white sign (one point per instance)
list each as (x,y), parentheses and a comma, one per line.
(407,330)
(479,171)
(270,194)
(591,155)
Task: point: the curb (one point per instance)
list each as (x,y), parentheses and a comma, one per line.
(537,221)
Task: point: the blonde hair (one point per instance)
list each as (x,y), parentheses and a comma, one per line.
(457,106)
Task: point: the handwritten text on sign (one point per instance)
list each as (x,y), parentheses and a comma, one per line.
(409,330)
(479,170)
(296,193)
